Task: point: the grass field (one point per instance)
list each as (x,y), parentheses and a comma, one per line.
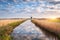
(7,26)
(54,20)
(7,21)
(49,24)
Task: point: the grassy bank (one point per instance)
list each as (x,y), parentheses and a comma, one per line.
(5,30)
(51,26)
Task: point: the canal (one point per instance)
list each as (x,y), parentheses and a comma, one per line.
(29,31)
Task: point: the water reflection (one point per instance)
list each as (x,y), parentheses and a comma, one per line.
(28,31)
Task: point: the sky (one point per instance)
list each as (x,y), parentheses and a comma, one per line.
(29,8)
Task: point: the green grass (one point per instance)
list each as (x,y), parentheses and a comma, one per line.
(5,31)
(59,36)
(15,24)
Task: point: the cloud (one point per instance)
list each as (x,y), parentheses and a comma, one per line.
(56,0)
(3,0)
(27,8)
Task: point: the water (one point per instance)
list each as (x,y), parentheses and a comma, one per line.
(28,31)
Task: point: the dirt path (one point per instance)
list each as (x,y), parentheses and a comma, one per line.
(28,31)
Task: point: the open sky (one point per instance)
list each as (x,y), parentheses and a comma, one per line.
(28,8)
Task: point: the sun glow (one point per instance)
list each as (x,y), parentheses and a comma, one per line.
(53,18)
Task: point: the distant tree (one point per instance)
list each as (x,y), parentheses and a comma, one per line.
(31,17)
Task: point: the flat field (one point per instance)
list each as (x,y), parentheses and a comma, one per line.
(48,24)
(4,22)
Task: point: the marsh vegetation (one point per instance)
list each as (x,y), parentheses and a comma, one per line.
(7,26)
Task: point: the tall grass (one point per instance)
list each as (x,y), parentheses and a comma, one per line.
(50,30)
(55,20)
(5,31)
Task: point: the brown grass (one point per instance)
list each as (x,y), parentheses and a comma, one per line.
(50,26)
(7,26)
(8,21)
